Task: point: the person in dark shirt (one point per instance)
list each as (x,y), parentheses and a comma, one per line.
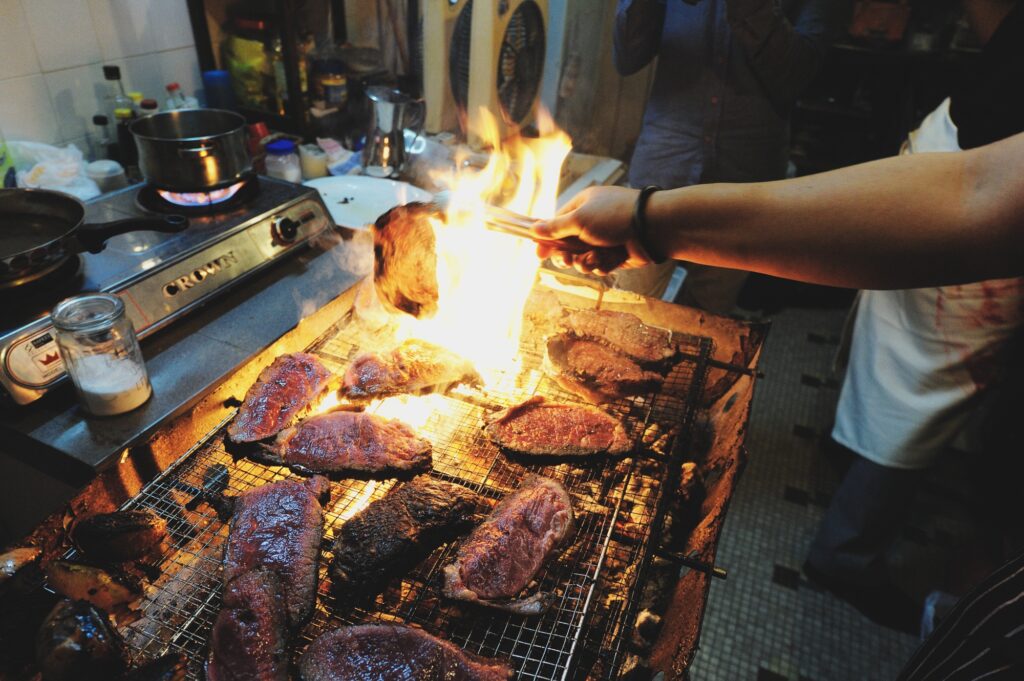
(728,73)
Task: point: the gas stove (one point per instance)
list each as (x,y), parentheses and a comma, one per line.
(159,276)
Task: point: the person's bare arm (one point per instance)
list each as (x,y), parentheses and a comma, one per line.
(917,220)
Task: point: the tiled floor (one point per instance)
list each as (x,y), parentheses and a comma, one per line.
(766,622)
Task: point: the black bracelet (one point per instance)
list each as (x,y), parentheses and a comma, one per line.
(640,222)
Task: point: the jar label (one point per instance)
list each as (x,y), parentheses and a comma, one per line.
(35,361)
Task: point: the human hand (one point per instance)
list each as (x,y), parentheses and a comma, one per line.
(601,217)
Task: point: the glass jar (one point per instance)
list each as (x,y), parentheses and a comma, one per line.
(282,161)
(101,353)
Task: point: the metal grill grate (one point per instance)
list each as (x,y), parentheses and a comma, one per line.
(595,579)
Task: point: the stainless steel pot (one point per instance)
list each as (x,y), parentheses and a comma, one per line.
(192,149)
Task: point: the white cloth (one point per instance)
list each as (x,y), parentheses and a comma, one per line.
(920,358)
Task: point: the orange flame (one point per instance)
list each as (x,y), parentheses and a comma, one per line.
(484,277)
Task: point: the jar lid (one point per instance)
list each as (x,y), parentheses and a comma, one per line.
(281,147)
(87,312)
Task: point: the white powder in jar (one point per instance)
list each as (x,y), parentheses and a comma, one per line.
(110,385)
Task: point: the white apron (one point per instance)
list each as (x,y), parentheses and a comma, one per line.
(920,358)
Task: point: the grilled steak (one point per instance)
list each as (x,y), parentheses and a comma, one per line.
(281,393)
(504,554)
(278,527)
(400,529)
(623,332)
(249,637)
(345,442)
(413,367)
(405,259)
(596,372)
(543,428)
(373,652)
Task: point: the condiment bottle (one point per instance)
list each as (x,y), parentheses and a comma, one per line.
(101,353)
(148,107)
(283,162)
(118,98)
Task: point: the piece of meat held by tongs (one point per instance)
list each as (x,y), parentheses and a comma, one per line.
(503,555)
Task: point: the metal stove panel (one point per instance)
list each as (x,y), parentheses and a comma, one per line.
(162,276)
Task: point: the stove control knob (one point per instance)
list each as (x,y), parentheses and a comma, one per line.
(284,229)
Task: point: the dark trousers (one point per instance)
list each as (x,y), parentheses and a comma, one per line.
(865,516)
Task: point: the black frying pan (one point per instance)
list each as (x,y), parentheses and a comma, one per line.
(40,229)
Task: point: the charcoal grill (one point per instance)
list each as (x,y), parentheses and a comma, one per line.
(619,503)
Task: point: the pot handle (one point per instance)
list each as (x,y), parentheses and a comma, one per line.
(92,237)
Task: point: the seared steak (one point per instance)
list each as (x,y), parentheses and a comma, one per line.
(400,529)
(623,332)
(543,428)
(278,527)
(344,442)
(405,259)
(413,367)
(376,652)
(280,394)
(596,372)
(504,554)
(249,637)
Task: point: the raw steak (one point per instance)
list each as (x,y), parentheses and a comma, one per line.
(389,652)
(346,442)
(392,533)
(504,554)
(543,428)
(413,367)
(405,259)
(281,393)
(250,635)
(623,332)
(278,527)
(596,372)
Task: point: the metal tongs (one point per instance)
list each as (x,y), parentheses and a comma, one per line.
(509,222)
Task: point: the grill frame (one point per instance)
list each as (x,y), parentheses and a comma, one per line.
(165,492)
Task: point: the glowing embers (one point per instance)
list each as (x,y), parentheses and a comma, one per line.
(201,199)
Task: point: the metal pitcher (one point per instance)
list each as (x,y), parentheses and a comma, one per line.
(392,111)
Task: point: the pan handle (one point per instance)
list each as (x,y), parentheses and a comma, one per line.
(92,237)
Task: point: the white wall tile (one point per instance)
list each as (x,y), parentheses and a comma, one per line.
(63,33)
(25,110)
(19,54)
(129,28)
(150,73)
(77,94)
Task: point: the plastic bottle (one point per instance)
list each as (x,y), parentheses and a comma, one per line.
(103,141)
(176,99)
(136,98)
(148,107)
(6,164)
(282,161)
(117,97)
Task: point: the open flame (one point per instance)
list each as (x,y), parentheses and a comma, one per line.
(484,277)
(200,199)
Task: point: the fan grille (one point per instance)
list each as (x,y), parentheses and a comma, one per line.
(458,56)
(521,61)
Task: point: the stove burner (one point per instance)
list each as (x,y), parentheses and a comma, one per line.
(155,200)
(200,199)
